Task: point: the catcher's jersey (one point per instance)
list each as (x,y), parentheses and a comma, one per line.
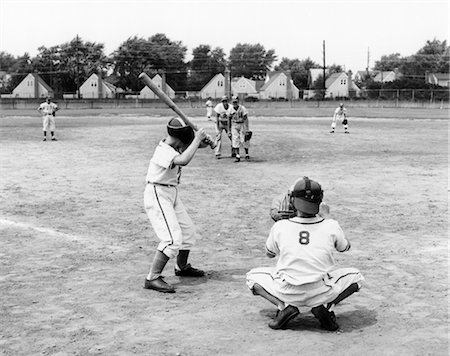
(48,108)
(304,247)
(161,169)
(340,112)
(238,116)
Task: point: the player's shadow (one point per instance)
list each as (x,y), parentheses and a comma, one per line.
(252,159)
(348,321)
(229,275)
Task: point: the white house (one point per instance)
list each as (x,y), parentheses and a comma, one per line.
(385,76)
(32,86)
(278,85)
(243,86)
(340,85)
(95,87)
(147,93)
(215,88)
(441,79)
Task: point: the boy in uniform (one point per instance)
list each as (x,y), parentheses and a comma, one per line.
(165,210)
(239,128)
(306,274)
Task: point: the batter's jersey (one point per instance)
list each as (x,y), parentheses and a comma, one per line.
(161,169)
(48,108)
(340,112)
(238,116)
(305,248)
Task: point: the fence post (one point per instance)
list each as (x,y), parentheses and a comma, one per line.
(412,96)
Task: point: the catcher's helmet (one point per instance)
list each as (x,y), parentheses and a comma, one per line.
(178,128)
(307,195)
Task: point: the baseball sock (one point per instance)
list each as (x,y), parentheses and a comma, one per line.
(53,134)
(45,133)
(246,151)
(182,258)
(159,262)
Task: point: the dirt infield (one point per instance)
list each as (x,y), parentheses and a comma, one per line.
(76,244)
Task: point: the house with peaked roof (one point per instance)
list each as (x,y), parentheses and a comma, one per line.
(244,86)
(32,86)
(385,76)
(96,87)
(441,79)
(215,88)
(278,85)
(147,93)
(339,85)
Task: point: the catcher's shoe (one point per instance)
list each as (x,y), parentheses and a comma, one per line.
(283,316)
(189,271)
(159,285)
(326,318)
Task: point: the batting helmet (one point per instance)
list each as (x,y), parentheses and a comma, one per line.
(307,195)
(178,128)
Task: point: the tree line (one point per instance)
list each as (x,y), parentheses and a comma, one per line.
(66,66)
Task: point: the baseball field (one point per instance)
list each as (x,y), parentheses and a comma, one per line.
(76,244)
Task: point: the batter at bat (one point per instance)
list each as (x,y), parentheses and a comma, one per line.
(165,210)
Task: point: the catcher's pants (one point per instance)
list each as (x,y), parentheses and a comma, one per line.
(169,219)
(238,135)
(219,128)
(307,295)
(48,122)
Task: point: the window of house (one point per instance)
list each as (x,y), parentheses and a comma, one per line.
(220,83)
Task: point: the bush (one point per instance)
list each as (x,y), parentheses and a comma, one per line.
(251,99)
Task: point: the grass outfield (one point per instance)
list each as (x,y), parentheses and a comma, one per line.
(76,243)
(361,112)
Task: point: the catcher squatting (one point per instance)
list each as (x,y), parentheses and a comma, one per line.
(302,237)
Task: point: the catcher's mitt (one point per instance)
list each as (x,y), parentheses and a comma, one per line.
(344,122)
(248,136)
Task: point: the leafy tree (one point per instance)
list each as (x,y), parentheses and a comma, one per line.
(157,53)
(251,61)
(390,62)
(205,64)
(19,70)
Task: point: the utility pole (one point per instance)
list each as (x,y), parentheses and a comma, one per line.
(324,78)
(368,60)
(77,55)
(227,82)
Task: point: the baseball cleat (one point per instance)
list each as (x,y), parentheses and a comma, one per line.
(326,318)
(218,156)
(189,271)
(54,139)
(332,131)
(247,158)
(45,139)
(159,285)
(283,316)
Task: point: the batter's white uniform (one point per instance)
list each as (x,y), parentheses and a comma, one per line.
(222,124)
(306,273)
(48,120)
(239,126)
(165,210)
(209,109)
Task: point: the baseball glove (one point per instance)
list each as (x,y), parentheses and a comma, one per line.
(344,122)
(248,136)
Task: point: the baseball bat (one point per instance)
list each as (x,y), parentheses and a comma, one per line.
(169,102)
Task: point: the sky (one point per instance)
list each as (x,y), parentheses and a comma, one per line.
(356,33)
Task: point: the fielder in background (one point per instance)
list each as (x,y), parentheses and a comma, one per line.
(222,110)
(48,111)
(306,274)
(340,114)
(165,210)
(282,206)
(240,132)
(209,108)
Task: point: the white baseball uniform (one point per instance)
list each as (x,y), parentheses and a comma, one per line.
(165,210)
(306,273)
(48,120)
(239,126)
(339,114)
(222,124)
(209,108)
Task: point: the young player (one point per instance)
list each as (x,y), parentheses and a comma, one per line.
(340,114)
(282,206)
(223,110)
(165,210)
(239,127)
(209,108)
(305,274)
(48,110)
